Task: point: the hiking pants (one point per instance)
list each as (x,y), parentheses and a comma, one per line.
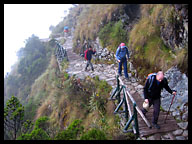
(124,62)
(156,109)
(89,63)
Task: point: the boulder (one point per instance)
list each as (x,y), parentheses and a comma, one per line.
(183,125)
(185,133)
(139,87)
(178,132)
(180,138)
(151,138)
(185,116)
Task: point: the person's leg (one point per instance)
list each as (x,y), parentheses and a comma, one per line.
(125,68)
(120,68)
(87,65)
(156,107)
(91,65)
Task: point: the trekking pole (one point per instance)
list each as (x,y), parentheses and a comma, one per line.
(169,108)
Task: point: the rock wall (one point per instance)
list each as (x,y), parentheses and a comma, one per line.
(175,33)
(179,82)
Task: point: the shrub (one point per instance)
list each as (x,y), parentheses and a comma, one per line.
(94,134)
(72,132)
(36,134)
(39,132)
(42,123)
(112,34)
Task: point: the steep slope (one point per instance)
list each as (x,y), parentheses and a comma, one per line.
(157,37)
(156,34)
(33,60)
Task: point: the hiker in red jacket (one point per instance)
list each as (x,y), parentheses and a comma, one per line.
(88,57)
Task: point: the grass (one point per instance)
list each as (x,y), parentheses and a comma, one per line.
(91,19)
(149,52)
(182,59)
(62,41)
(112,34)
(64,105)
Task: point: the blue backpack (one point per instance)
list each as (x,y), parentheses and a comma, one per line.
(151,79)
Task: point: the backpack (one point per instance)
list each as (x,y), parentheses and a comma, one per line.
(85,56)
(151,79)
(149,75)
(119,49)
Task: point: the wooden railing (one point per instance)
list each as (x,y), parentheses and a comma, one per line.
(60,53)
(131,116)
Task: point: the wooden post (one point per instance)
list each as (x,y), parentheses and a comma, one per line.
(135,119)
(118,94)
(113,93)
(126,106)
(130,113)
(139,111)
(143,117)
(118,88)
(128,123)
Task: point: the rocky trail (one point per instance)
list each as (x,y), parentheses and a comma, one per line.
(107,72)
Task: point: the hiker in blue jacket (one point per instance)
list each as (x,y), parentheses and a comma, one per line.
(121,53)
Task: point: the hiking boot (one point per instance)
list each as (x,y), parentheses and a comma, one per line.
(119,74)
(127,79)
(156,126)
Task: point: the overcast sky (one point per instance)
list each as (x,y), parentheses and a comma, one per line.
(23,20)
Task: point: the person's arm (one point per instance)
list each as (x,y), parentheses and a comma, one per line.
(166,86)
(94,51)
(117,55)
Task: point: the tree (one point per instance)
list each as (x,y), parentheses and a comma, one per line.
(13,117)
(39,132)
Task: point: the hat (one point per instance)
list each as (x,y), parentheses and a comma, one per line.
(122,44)
(146,105)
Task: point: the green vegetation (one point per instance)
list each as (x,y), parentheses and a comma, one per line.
(39,131)
(72,132)
(90,18)
(149,52)
(62,41)
(62,107)
(112,34)
(94,134)
(33,60)
(13,117)
(182,59)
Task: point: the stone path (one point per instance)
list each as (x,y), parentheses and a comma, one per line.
(107,72)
